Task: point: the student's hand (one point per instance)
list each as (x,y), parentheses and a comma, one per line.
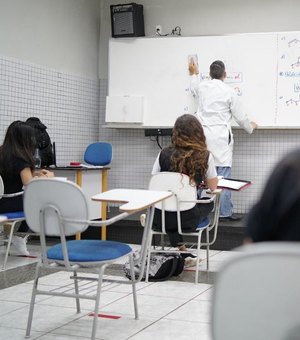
(193,68)
(254,125)
(44,173)
(47,173)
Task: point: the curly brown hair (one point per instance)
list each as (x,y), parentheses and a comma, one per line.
(191,155)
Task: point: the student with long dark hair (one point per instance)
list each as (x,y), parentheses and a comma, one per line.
(17,169)
(276,215)
(188,155)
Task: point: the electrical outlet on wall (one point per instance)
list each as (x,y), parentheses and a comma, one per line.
(158,30)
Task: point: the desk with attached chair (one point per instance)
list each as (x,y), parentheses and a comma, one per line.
(60,208)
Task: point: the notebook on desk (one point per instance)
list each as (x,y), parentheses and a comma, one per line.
(233,184)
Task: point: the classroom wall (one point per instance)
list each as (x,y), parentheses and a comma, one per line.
(49,69)
(60,34)
(50,57)
(254,155)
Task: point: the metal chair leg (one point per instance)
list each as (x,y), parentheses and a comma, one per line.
(136,312)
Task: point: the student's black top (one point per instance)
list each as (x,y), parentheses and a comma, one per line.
(12,184)
(276,216)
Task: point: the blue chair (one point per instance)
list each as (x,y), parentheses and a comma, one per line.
(99,153)
(59,208)
(14,219)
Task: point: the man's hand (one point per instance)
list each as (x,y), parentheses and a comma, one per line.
(193,68)
(254,125)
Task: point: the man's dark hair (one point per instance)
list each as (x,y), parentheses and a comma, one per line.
(217,69)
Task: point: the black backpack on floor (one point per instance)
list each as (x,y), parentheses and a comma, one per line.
(162,266)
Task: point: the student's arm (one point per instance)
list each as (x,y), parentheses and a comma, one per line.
(27,175)
(212,178)
(212,183)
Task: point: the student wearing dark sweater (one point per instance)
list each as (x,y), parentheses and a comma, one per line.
(17,169)
(276,215)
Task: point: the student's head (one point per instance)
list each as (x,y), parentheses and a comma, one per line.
(19,141)
(191,153)
(217,70)
(188,132)
(276,215)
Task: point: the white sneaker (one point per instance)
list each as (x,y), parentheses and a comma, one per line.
(20,244)
(190,262)
(143,220)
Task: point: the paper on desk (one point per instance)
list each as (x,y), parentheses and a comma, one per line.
(90,166)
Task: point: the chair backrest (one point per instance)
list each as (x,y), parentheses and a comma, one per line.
(177,183)
(51,197)
(256,294)
(99,153)
(2,194)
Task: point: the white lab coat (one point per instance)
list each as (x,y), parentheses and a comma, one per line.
(217,105)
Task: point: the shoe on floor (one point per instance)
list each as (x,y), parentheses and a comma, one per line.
(233,217)
(190,262)
(20,244)
(143,220)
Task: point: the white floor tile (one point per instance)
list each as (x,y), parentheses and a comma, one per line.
(109,329)
(175,330)
(7,307)
(195,311)
(16,333)
(19,293)
(149,306)
(175,289)
(168,310)
(45,318)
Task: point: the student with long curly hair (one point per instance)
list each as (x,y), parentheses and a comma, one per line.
(17,169)
(188,155)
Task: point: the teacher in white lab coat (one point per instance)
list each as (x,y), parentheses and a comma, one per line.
(217,105)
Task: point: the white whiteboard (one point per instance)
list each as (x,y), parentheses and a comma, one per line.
(263,68)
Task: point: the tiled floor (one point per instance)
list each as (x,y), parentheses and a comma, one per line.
(176,309)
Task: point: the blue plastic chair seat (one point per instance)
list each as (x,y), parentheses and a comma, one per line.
(203,224)
(14,215)
(89,251)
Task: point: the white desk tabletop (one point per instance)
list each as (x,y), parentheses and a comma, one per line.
(134,199)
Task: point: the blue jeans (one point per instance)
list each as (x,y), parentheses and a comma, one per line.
(226,208)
